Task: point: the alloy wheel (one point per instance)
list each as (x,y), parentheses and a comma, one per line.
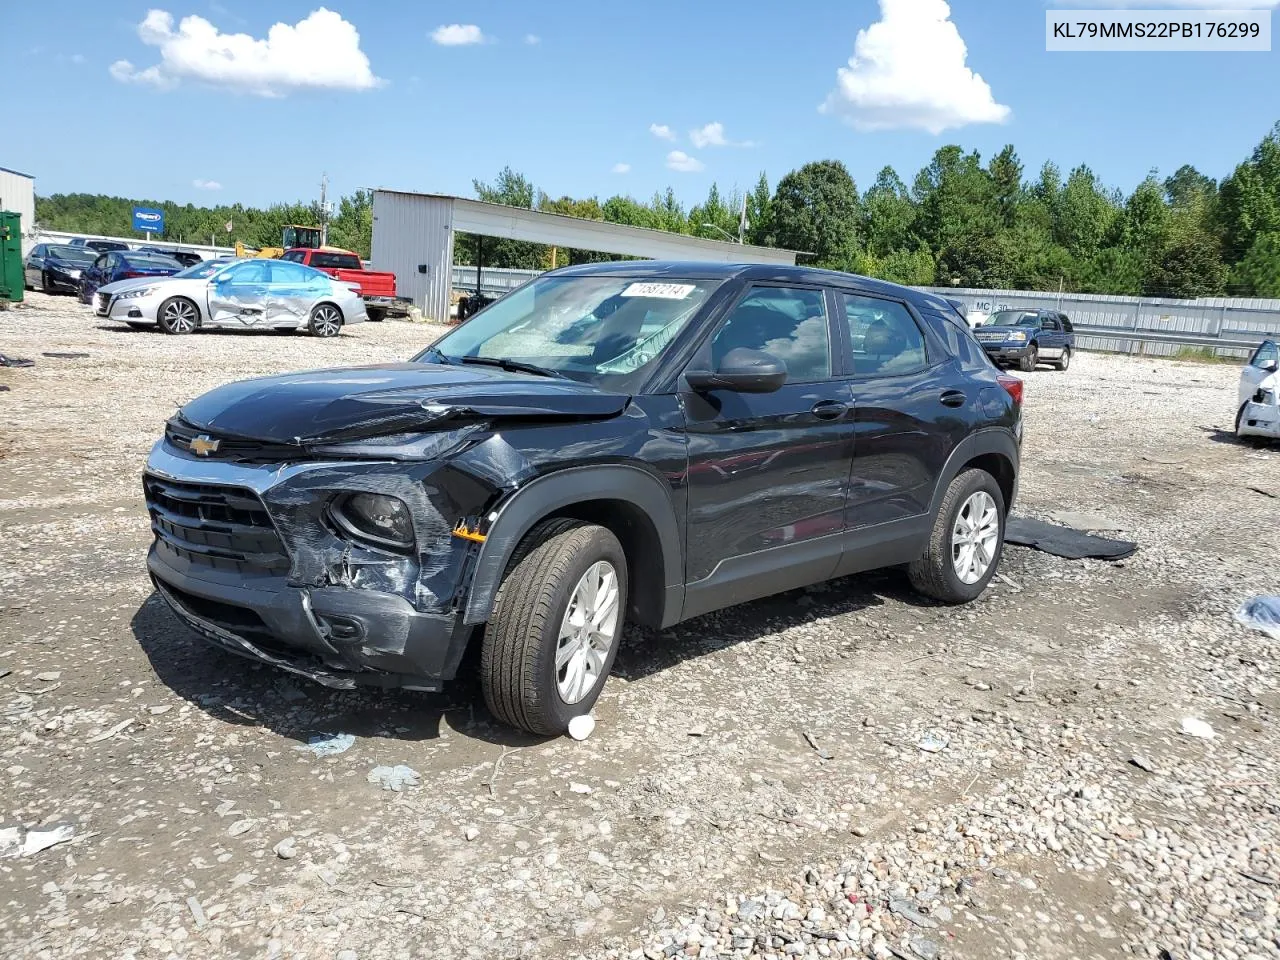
(975,537)
(587,632)
(179,316)
(327,321)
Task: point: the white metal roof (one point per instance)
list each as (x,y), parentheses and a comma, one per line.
(555,229)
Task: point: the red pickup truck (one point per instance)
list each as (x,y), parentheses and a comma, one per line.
(377,289)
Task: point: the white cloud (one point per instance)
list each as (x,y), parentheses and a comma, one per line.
(320,52)
(662,131)
(532,39)
(622,168)
(908,70)
(206,184)
(681,162)
(712,135)
(457,35)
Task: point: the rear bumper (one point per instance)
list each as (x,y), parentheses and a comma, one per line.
(388,306)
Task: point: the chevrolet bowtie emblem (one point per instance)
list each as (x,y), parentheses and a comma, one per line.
(202,445)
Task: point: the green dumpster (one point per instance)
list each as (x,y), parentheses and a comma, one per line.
(11,285)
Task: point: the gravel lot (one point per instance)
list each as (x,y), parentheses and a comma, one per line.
(843,771)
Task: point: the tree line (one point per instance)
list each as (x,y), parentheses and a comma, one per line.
(960,222)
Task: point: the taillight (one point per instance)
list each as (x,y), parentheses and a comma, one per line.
(1013,386)
(130,274)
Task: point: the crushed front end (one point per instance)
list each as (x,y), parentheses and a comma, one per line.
(1260,415)
(347,572)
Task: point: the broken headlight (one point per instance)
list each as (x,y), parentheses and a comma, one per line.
(378,519)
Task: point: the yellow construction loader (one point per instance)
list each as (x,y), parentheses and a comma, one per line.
(292,236)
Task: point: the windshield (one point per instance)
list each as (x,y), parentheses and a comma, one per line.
(602,330)
(78,254)
(153,260)
(1012,318)
(201,270)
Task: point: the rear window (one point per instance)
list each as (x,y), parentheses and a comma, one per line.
(959,339)
(1066,324)
(336,261)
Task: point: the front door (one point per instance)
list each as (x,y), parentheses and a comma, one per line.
(238,295)
(293,289)
(768,473)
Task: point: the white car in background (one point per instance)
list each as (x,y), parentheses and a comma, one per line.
(255,294)
(1258,414)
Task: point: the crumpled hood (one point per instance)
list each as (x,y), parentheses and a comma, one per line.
(355,402)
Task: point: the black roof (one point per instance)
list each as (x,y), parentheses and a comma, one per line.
(772,272)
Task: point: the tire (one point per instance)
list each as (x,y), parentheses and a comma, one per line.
(1028,363)
(178,316)
(45,285)
(935,573)
(1065,362)
(376,315)
(518,673)
(325,320)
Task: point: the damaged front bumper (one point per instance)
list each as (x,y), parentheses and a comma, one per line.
(1261,418)
(244,555)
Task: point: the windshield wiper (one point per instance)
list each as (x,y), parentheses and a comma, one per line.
(435,354)
(515,366)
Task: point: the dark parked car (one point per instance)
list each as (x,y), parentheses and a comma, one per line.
(102,246)
(124,265)
(1028,337)
(188,258)
(54,267)
(637,441)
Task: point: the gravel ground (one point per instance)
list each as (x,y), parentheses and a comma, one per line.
(839,772)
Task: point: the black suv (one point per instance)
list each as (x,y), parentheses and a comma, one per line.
(641,440)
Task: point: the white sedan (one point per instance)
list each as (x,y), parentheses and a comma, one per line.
(235,294)
(1258,411)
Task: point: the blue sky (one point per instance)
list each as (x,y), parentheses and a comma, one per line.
(119,98)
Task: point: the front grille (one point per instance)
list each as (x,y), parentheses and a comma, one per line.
(991,337)
(238,450)
(226,528)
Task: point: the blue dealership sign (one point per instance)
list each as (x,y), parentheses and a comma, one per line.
(148,219)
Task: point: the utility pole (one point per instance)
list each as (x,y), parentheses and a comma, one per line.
(324,210)
(742,220)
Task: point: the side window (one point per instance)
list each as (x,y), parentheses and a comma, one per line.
(1066,324)
(959,340)
(788,323)
(884,337)
(252,271)
(39,250)
(294,274)
(1266,355)
(1048,323)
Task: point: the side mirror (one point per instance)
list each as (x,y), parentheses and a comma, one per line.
(743,371)
(1269,365)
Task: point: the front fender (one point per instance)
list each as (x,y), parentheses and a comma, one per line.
(518,514)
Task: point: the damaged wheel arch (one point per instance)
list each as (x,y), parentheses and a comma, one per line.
(637,509)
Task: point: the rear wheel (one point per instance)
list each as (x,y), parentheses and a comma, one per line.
(177,316)
(1065,362)
(966,543)
(326,320)
(557,619)
(376,314)
(1029,361)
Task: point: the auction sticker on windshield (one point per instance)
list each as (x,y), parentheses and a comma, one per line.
(660,291)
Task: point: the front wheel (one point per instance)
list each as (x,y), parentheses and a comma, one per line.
(1030,359)
(1066,359)
(557,619)
(966,542)
(178,316)
(326,320)
(46,286)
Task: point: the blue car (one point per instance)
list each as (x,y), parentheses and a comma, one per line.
(124,265)
(1028,338)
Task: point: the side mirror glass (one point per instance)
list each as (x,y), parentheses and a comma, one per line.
(742,370)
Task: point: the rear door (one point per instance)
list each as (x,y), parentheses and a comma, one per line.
(293,290)
(1051,340)
(238,295)
(908,404)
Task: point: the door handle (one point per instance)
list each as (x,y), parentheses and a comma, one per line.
(954,398)
(829,409)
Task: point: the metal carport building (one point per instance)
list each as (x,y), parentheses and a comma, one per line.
(413,238)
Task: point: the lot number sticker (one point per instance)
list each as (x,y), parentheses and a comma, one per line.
(660,291)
